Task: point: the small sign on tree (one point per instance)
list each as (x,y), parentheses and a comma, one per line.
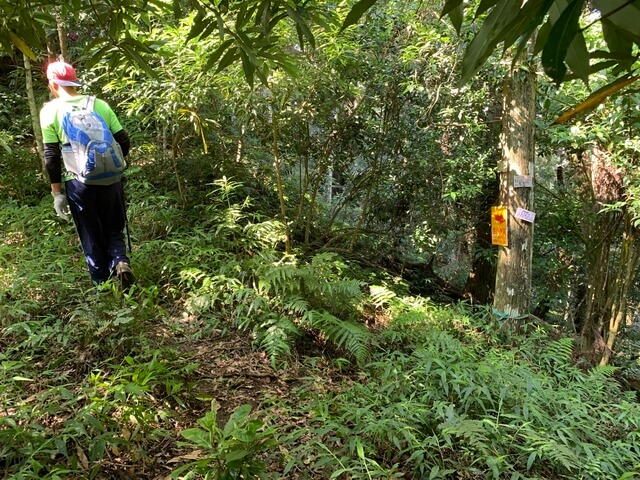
(499,226)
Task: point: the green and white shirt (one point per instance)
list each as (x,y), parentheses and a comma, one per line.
(52,113)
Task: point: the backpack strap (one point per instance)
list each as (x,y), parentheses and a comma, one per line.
(90,102)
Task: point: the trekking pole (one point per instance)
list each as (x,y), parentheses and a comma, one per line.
(126,227)
(126,218)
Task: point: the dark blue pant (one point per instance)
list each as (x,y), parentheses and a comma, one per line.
(99,214)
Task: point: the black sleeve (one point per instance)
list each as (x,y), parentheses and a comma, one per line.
(53,162)
(123,139)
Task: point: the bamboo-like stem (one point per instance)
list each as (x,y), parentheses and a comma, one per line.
(33,109)
(278,167)
(173,156)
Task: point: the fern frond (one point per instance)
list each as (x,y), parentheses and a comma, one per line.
(558,351)
(278,338)
(266,234)
(295,305)
(281,278)
(380,295)
(353,337)
(474,431)
(249,303)
(562,455)
(604,370)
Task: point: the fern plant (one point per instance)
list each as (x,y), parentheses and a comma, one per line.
(441,401)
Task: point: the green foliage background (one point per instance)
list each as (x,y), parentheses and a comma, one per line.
(387,164)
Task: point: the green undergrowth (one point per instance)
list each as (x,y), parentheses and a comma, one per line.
(103,384)
(441,400)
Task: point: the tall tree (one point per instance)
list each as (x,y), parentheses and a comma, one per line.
(513,277)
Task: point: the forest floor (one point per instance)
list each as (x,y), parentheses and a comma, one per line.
(230,373)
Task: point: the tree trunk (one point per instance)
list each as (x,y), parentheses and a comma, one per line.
(603,186)
(481,280)
(278,168)
(62,38)
(33,109)
(626,273)
(513,276)
(482,277)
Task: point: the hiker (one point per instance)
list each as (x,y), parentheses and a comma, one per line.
(93,190)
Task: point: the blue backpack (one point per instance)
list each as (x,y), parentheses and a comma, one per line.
(92,154)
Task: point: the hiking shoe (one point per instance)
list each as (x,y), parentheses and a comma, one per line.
(125,275)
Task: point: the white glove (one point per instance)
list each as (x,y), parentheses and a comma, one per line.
(61,205)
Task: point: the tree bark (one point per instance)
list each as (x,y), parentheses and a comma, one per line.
(603,186)
(626,273)
(513,276)
(62,38)
(482,277)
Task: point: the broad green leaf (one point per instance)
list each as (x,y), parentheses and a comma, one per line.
(487,38)
(22,46)
(456,15)
(530,17)
(209,30)
(177,10)
(578,58)
(138,59)
(263,72)
(95,423)
(246,45)
(262,16)
(138,45)
(287,65)
(237,417)
(234,455)
(617,42)
(98,56)
(197,436)
(215,56)
(532,14)
(301,26)
(562,34)
(300,36)
(133,388)
(232,55)
(596,98)
(485,5)
(623,14)
(541,37)
(276,19)
(450,5)
(594,68)
(221,25)
(248,67)
(356,13)
(455,10)
(199,24)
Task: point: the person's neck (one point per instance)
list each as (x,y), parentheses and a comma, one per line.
(67,92)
